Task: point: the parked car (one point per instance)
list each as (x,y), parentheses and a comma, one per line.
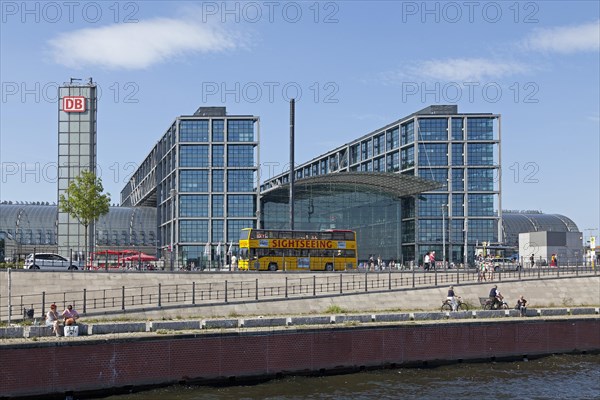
(51,261)
(541,262)
(506,264)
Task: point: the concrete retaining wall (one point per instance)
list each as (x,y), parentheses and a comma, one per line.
(561,292)
(261,322)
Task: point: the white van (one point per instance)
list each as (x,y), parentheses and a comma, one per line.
(51,261)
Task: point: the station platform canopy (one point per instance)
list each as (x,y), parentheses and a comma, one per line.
(386,183)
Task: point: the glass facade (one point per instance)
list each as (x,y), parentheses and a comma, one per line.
(375,216)
(460,151)
(204,171)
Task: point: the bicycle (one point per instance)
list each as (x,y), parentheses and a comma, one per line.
(447,306)
(489,305)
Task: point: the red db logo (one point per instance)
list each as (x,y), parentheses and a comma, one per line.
(74,104)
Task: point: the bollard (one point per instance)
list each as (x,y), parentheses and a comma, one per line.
(341,284)
(314,285)
(286,287)
(159,295)
(256,289)
(194,293)
(122,297)
(84,300)
(43,304)
(226,290)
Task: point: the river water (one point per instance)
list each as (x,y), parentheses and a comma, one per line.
(553,377)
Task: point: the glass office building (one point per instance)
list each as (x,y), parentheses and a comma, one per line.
(459,151)
(202,177)
(76,153)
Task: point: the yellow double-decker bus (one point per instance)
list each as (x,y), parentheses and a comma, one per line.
(272,250)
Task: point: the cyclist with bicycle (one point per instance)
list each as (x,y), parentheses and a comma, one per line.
(452,298)
(495,298)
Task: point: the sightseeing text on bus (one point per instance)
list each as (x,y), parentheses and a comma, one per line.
(303,244)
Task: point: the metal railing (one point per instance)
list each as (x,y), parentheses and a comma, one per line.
(248,287)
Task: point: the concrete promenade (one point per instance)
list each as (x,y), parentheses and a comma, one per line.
(385,292)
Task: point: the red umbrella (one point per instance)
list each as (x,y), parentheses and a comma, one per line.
(140,257)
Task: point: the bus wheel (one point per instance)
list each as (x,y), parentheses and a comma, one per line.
(273,267)
(328,267)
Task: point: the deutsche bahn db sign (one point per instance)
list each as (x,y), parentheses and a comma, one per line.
(73,104)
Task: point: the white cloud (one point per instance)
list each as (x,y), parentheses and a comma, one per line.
(138,45)
(565,39)
(458,70)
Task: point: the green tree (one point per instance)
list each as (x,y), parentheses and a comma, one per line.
(84,201)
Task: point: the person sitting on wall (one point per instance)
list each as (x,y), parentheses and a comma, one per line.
(70,315)
(53,320)
(522,306)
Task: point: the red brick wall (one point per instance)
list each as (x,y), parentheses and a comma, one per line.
(35,369)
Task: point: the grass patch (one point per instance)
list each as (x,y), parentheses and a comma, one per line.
(335,309)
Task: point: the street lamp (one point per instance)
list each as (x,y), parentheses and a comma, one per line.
(444,234)
(173,198)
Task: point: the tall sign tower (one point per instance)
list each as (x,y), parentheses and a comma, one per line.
(77,104)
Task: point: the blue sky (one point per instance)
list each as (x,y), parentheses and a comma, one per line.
(358,66)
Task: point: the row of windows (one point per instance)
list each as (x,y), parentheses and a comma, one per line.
(432,230)
(435,174)
(197,205)
(434,154)
(197,130)
(479,179)
(434,205)
(197,156)
(433,129)
(197,181)
(429,129)
(197,230)
(480,129)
